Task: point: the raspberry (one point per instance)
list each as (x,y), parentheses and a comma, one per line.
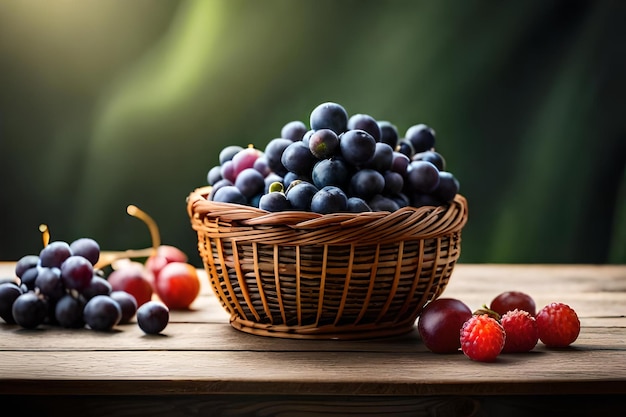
(521,331)
(482,338)
(558,325)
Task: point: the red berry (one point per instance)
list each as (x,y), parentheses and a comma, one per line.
(558,325)
(482,338)
(510,300)
(521,331)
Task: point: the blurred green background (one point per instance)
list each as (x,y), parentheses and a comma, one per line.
(106,103)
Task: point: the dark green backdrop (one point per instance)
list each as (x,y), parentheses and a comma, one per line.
(110,103)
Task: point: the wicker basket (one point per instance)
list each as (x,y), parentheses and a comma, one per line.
(336,276)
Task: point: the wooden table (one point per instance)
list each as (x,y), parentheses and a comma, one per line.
(203,366)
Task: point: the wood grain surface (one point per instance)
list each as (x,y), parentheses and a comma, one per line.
(201,365)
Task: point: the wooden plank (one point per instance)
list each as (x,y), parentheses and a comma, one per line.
(582,371)
(600,333)
(201,354)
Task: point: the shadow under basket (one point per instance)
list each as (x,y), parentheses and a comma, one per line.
(298,274)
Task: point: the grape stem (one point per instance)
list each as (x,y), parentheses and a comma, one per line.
(108,257)
(45,234)
(149,221)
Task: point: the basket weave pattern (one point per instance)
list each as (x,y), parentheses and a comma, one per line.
(334,276)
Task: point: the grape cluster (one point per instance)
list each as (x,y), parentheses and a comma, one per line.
(61,286)
(338,163)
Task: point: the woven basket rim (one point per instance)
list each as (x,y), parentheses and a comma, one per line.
(406,223)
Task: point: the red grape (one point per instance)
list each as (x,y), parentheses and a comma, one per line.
(245,158)
(511,300)
(164,255)
(177,285)
(440,323)
(135,279)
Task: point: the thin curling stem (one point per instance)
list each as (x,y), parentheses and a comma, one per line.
(149,221)
(45,234)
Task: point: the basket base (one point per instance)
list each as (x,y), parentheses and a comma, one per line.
(354,332)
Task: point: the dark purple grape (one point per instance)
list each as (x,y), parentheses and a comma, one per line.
(76,273)
(400,163)
(422,199)
(357,205)
(221,183)
(250,182)
(29,276)
(255,200)
(127,303)
(300,194)
(307,136)
(29,310)
(388,133)
(357,146)
(323,143)
(298,158)
(405,148)
(25,263)
(366,183)
(274,202)
(293,130)
(68,312)
(421,137)
(431,156)
(54,254)
(382,203)
(382,159)
(367,123)
(274,152)
(291,177)
(153,317)
(332,171)
(8,294)
(448,187)
(261,165)
(87,248)
(49,283)
(394,183)
(229,194)
(97,286)
(329,199)
(422,176)
(227,153)
(214,175)
(227,170)
(401,199)
(331,116)
(102,313)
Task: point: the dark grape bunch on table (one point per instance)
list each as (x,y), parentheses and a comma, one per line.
(61,286)
(337,163)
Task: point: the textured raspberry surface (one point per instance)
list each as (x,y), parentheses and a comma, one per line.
(521,330)
(482,338)
(558,325)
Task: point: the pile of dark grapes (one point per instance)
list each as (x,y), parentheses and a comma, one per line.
(338,163)
(61,287)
